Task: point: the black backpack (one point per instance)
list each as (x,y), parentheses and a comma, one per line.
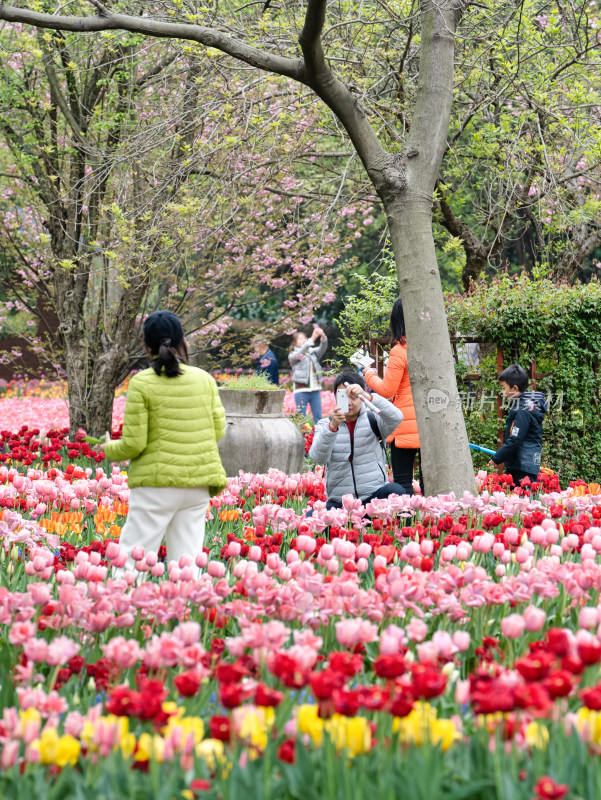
(373,424)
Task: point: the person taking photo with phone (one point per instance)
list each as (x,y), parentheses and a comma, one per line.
(351,444)
(306,370)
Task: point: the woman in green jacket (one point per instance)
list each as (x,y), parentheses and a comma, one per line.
(173,421)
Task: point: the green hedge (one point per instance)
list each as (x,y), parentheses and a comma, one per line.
(558,326)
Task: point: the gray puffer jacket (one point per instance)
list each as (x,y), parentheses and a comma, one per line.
(365,472)
(301,358)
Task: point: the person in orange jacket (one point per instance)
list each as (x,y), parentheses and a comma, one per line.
(404,442)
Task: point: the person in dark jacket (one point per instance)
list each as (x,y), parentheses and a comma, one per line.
(522,448)
(267,363)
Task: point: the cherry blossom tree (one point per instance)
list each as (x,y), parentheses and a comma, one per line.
(120,197)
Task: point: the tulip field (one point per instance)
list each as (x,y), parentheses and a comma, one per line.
(417,648)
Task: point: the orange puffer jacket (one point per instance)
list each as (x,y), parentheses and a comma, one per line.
(396,388)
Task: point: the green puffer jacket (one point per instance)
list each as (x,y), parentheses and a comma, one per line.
(171,429)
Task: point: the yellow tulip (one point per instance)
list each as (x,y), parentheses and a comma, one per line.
(211,751)
(150,747)
(128,745)
(537,735)
(67,751)
(444,733)
(336,728)
(253,731)
(308,721)
(358,736)
(47,746)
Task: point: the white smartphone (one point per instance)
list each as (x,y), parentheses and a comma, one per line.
(342,400)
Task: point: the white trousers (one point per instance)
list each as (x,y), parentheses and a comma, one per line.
(177,514)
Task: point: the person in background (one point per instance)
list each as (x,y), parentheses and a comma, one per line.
(350,445)
(267,363)
(173,420)
(306,370)
(404,441)
(523,445)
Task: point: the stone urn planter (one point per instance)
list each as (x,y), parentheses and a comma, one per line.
(258,435)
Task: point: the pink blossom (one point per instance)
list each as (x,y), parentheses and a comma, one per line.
(513,626)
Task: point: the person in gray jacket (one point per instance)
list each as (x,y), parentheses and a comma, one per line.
(306,370)
(351,450)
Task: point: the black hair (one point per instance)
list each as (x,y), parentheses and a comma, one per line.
(295,336)
(514,375)
(397,323)
(348,375)
(169,357)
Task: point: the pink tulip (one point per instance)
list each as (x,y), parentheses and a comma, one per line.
(216,569)
(412,550)
(462,692)
(20,632)
(417,630)
(534,618)
(273,561)
(233,550)
(461,640)
(112,551)
(521,555)
(427,652)
(463,551)
(426,547)
(306,544)
(538,535)
(254,553)
(36,650)
(363,550)
(137,552)
(513,626)
(201,560)
(449,552)
(498,549)
(484,543)
(588,617)
(326,552)
(10,754)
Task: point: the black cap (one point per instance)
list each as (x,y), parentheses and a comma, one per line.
(163,327)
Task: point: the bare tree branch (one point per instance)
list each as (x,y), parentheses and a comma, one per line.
(280,65)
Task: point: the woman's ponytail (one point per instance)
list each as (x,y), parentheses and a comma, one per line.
(167,359)
(164,339)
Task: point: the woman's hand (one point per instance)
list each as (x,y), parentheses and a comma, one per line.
(107,439)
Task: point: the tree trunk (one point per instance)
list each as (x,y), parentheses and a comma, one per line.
(91,391)
(100,406)
(444,446)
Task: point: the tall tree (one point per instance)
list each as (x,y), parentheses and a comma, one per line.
(404,174)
